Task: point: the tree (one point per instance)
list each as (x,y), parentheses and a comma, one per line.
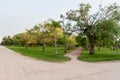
(87,23)
(55,24)
(82,41)
(105,35)
(7,40)
(26,39)
(66,31)
(43,30)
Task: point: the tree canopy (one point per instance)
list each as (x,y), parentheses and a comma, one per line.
(104,20)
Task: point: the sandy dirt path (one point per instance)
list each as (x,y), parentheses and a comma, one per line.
(14,66)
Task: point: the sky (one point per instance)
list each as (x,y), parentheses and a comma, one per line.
(18,15)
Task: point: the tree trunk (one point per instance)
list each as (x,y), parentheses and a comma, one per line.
(65,48)
(65,45)
(43,47)
(43,43)
(91,41)
(99,47)
(55,37)
(116,47)
(26,46)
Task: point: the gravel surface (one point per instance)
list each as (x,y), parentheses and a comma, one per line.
(14,66)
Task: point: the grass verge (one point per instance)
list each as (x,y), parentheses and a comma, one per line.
(104,55)
(37,53)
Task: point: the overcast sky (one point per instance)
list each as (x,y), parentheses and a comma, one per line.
(18,15)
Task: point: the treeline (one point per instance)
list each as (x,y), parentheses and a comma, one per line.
(42,34)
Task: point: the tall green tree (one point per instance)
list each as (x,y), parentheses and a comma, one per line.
(86,23)
(55,25)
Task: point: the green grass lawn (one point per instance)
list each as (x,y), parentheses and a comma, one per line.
(37,53)
(104,55)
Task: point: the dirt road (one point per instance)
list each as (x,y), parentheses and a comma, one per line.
(14,66)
